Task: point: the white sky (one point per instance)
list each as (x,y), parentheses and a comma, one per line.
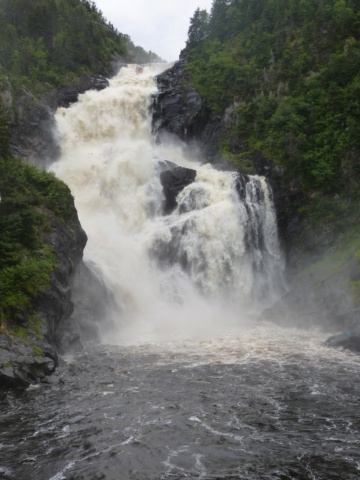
(157,25)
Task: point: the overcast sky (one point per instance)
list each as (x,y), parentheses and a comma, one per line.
(157,25)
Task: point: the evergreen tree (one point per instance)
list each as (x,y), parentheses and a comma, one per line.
(199,28)
(218,18)
(4,131)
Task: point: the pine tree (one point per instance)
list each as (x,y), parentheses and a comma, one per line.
(199,28)
(4,131)
(218,18)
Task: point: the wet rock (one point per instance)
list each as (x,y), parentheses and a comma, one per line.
(68,241)
(93,301)
(345,340)
(26,362)
(240,185)
(32,128)
(349,338)
(70,94)
(180,110)
(173,182)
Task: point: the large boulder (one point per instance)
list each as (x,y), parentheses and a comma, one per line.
(24,361)
(173,182)
(347,340)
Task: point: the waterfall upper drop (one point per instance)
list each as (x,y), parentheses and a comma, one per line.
(209,262)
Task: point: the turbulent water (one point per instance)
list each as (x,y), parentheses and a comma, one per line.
(188,382)
(263,403)
(213,262)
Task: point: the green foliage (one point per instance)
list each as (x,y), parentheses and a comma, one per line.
(29,198)
(325,209)
(47,42)
(199,28)
(38,351)
(333,261)
(357,256)
(355,291)
(4,130)
(292,68)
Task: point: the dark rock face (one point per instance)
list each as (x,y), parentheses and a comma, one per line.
(173,181)
(32,129)
(180,110)
(68,241)
(32,355)
(69,94)
(92,301)
(345,340)
(23,363)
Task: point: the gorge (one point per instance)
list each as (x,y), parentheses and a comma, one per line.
(189,380)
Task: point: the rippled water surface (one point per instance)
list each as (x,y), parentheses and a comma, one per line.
(267,403)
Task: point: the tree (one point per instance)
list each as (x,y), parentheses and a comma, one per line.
(199,28)
(218,18)
(4,130)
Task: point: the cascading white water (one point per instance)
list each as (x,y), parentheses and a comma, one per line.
(208,264)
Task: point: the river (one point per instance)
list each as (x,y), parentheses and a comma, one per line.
(263,403)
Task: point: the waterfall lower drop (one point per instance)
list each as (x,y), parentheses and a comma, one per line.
(203,269)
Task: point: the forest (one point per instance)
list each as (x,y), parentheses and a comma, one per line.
(46,42)
(290,72)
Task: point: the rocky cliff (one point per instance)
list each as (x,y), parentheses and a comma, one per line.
(180,110)
(28,345)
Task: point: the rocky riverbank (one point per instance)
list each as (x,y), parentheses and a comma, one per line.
(28,345)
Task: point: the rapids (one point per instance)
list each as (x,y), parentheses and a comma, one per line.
(264,404)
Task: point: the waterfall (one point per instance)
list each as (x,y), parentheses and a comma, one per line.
(209,264)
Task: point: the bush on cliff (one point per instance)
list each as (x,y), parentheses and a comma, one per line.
(26,259)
